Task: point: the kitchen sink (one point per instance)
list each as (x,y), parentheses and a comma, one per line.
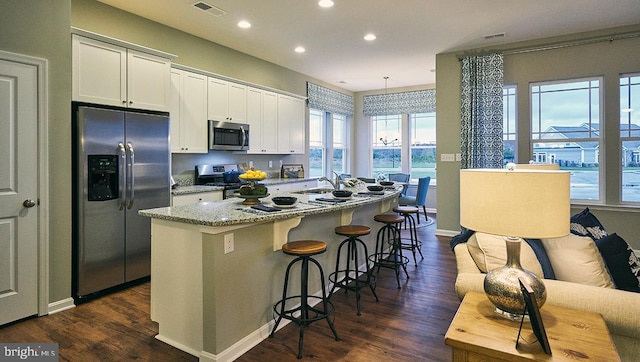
(314,191)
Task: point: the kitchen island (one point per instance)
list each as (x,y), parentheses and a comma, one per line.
(216,268)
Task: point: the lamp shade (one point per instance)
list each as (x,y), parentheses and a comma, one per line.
(519,203)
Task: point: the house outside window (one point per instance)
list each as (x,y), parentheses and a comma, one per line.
(565,122)
(630,137)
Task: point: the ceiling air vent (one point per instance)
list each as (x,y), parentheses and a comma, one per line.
(494,36)
(209,8)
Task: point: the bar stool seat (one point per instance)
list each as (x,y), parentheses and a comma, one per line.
(411,243)
(351,277)
(296,308)
(388,237)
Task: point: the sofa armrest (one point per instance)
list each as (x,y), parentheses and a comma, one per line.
(464,261)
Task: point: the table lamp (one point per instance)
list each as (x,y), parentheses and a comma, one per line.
(516,204)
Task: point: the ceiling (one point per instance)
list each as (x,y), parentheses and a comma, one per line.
(409,32)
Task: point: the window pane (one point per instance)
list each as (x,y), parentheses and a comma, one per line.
(339,129)
(338,160)
(566,131)
(423,145)
(630,137)
(386,144)
(316,143)
(509,132)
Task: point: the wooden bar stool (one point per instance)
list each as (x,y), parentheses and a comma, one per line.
(411,243)
(351,277)
(303,314)
(388,238)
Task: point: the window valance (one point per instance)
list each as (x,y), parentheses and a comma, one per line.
(326,99)
(421,101)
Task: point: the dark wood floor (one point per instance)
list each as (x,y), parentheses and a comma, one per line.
(407,324)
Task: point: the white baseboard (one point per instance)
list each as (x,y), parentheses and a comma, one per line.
(450,233)
(61,305)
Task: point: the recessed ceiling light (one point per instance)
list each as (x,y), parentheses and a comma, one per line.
(369,37)
(325,3)
(300,50)
(244,24)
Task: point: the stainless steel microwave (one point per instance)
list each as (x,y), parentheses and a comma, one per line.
(228,136)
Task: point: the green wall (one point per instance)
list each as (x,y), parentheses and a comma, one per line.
(41,29)
(606,59)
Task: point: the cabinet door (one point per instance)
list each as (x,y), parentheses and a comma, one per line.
(99,72)
(269,122)
(194,113)
(148,81)
(291,121)
(218,99)
(175,111)
(237,107)
(254,119)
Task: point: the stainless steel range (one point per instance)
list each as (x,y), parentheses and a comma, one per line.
(219,175)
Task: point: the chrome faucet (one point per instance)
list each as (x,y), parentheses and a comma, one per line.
(335,184)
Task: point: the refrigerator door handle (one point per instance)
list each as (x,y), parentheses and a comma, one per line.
(121,186)
(131,173)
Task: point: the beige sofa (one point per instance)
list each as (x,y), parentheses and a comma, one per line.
(619,308)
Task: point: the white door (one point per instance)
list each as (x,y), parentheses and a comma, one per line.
(18,191)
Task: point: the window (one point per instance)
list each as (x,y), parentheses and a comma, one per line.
(423,145)
(565,124)
(339,126)
(316,143)
(630,137)
(387,144)
(509,132)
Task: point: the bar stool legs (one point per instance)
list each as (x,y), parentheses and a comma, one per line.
(389,236)
(304,314)
(413,244)
(351,278)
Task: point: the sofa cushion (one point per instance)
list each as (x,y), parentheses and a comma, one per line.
(490,252)
(585,223)
(543,258)
(577,259)
(619,258)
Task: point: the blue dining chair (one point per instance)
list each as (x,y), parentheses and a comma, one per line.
(420,199)
(403,178)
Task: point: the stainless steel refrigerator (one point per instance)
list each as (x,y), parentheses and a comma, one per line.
(121,164)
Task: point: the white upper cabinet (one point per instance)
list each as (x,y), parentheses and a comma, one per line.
(291,121)
(262,115)
(109,74)
(188,112)
(227,101)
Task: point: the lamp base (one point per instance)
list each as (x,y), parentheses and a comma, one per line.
(510,316)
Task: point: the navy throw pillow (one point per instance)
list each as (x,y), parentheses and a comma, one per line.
(585,223)
(619,257)
(543,258)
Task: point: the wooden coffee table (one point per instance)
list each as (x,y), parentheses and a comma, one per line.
(477,333)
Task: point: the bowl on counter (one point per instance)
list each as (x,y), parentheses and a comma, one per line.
(341,194)
(386,183)
(375,188)
(284,200)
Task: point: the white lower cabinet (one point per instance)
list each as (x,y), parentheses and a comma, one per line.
(179,200)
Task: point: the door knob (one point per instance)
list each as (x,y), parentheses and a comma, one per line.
(28,203)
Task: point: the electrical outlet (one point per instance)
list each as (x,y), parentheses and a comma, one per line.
(458,157)
(270,164)
(250,163)
(228,243)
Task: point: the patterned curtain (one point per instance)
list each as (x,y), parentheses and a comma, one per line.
(421,101)
(328,100)
(481,124)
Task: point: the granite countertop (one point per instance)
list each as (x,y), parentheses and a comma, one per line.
(194,189)
(232,211)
